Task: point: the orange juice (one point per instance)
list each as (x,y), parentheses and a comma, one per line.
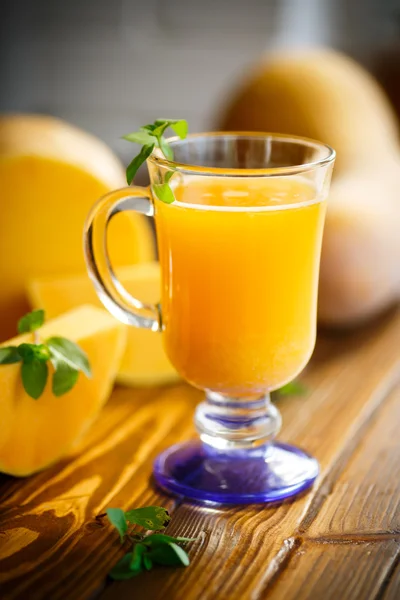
(239,280)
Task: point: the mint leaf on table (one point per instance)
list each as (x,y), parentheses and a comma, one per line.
(147,550)
(63,349)
(137,560)
(34,377)
(132,564)
(144,557)
(9,355)
(116,516)
(149,517)
(293,388)
(122,570)
(31,321)
(147,562)
(170,555)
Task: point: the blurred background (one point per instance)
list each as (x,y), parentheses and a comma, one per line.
(110,66)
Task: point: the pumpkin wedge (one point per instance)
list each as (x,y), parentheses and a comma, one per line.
(37,433)
(144,361)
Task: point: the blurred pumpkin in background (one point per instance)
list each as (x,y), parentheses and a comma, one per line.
(325,95)
(51,174)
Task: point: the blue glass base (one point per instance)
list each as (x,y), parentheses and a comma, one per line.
(202,473)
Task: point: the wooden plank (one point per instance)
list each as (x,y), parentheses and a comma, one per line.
(363,510)
(339,571)
(365,499)
(239,551)
(242,550)
(391,591)
(52,546)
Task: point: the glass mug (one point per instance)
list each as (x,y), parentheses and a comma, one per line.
(239,251)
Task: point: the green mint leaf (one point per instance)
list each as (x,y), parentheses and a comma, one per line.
(31,321)
(161,142)
(42,352)
(293,388)
(163,192)
(132,564)
(169,555)
(34,377)
(139,137)
(64,377)
(157,539)
(147,562)
(9,355)
(26,352)
(168,175)
(161,126)
(133,167)
(165,148)
(30,352)
(136,565)
(149,517)
(122,570)
(151,127)
(69,352)
(180,128)
(116,516)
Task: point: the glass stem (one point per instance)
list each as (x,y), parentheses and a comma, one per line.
(234,423)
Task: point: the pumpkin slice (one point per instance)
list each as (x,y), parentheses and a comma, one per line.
(51,174)
(144,361)
(36,433)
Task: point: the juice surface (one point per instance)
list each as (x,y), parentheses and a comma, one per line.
(239,280)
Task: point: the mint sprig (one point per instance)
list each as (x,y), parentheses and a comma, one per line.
(147,550)
(152,136)
(67,358)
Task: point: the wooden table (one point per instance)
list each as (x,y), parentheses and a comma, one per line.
(340,541)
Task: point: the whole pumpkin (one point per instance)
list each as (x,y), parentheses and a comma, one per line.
(325,95)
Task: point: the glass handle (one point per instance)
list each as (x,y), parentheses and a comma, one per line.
(111,292)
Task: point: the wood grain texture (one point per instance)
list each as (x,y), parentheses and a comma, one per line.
(314,571)
(345,532)
(365,499)
(392,589)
